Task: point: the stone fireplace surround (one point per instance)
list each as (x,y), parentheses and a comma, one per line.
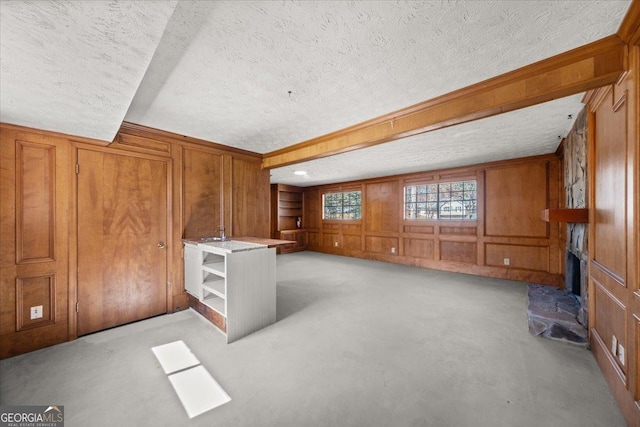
(562,314)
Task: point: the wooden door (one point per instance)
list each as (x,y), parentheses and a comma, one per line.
(122,235)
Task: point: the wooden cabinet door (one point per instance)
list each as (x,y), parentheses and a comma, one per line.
(122,239)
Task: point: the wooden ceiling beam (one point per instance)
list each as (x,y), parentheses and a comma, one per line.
(591,66)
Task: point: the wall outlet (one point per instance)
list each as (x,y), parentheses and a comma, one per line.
(335,244)
(507,261)
(393,250)
(36,312)
(621,353)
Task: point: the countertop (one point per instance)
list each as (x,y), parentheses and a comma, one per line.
(272,243)
(237,244)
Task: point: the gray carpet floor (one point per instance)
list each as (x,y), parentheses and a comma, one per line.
(357,343)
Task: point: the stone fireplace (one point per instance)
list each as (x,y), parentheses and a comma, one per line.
(575,185)
(562,314)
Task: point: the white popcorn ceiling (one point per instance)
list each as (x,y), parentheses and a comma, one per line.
(222,71)
(528,132)
(74,66)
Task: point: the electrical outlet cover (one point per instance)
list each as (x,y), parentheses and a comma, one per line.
(36,312)
(621,353)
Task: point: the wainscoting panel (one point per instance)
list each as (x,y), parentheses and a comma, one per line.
(35,204)
(458,251)
(418,248)
(520,256)
(380,245)
(35,292)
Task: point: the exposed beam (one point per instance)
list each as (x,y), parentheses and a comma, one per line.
(629,30)
(594,65)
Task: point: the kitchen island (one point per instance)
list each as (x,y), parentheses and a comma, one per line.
(232,283)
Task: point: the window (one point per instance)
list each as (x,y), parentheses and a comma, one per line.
(449,200)
(347,205)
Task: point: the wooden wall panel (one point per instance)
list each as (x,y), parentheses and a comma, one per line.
(520,256)
(458,251)
(37,181)
(453,245)
(610,187)
(250,206)
(330,239)
(418,229)
(458,231)
(202,193)
(609,320)
(34,292)
(418,248)
(635,321)
(614,240)
(352,242)
(381,245)
(515,196)
(143,145)
(381,210)
(35,204)
(312,210)
(34,228)
(313,239)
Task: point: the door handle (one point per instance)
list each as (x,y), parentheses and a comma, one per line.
(160,245)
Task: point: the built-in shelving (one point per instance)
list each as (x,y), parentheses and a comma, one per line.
(233,271)
(287,216)
(216,303)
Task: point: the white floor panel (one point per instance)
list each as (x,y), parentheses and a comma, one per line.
(175,356)
(198,391)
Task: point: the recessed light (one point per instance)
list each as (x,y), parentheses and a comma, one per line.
(301,173)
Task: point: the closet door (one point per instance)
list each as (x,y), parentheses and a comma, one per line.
(122,239)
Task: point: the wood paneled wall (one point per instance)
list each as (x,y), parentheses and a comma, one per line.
(210,185)
(511,196)
(614,235)
(34,199)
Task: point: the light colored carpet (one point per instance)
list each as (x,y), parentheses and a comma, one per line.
(357,343)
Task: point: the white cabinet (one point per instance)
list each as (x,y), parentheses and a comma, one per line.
(237,280)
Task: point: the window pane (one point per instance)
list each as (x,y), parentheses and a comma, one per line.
(447,200)
(342,205)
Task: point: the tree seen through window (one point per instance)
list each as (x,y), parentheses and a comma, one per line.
(449,200)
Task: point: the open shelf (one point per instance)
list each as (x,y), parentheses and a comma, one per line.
(215,287)
(565,215)
(215,267)
(215,303)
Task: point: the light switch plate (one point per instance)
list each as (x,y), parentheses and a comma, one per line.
(614,345)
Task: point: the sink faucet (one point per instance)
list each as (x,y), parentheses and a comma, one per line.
(222,235)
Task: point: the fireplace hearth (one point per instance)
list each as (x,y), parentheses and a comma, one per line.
(553,313)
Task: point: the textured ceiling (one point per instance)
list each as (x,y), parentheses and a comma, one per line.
(75,66)
(523,133)
(222,71)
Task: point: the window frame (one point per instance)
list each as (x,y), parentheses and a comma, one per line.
(437,205)
(342,205)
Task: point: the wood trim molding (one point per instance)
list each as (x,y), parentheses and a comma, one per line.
(629,30)
(588,67)
(52,134)
(170,137)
